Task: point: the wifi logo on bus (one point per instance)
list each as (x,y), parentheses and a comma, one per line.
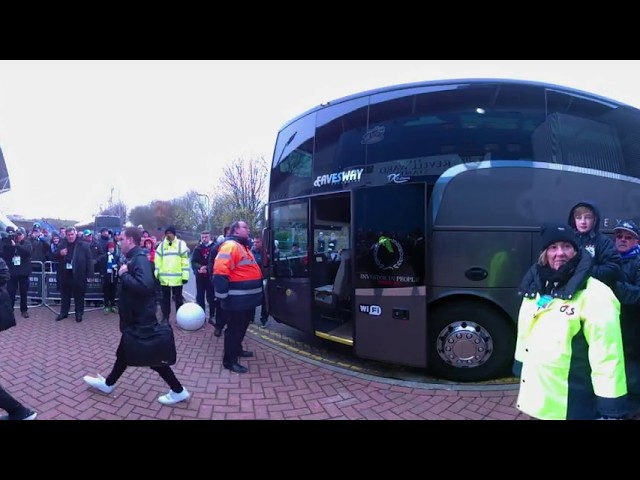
(371,309)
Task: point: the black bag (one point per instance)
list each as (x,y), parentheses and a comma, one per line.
(149,345)
(7,318)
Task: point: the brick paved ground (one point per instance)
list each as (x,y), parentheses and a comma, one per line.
(42,363)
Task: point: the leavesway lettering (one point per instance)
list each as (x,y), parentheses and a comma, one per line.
(347,176)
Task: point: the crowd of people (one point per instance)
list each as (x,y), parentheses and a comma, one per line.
(577,350)
(140,274)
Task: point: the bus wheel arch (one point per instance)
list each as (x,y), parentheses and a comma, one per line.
(469,339)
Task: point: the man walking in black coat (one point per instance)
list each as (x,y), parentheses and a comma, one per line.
(15,410)
(75,266)
(137,307)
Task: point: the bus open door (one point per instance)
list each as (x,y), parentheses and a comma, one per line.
(390,306)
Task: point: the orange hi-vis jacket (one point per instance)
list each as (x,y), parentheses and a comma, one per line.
(237,277)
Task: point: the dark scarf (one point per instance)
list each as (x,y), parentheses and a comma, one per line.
(552,280)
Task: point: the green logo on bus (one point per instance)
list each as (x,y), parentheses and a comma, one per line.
(388,253)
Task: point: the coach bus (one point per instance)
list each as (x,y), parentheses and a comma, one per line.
(111,222)
(401,220)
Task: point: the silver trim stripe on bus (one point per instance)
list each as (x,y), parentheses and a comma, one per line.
(442,182)
(418,291)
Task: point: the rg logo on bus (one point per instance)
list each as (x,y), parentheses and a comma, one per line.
(388,254)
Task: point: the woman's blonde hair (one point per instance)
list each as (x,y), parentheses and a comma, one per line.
(542,259)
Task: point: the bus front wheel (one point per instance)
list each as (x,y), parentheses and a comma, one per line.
(469,342)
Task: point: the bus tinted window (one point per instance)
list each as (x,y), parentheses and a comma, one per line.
(627,124)
(390,238)
(290,223)
(473,122)
(586,132)
(291,169)
(340,139)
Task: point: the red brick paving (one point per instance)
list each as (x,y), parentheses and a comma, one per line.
(42,363)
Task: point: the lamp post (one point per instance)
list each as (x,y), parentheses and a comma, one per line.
(208,208)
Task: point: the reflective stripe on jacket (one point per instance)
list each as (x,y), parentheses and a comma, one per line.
(172,263)
(572,356)
(237,277)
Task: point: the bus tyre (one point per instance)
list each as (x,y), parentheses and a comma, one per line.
(469,342)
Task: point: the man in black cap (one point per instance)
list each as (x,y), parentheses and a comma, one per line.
(172,270)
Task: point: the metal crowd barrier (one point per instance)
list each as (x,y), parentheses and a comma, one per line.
(43,289)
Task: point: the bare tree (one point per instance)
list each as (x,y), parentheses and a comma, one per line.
(191,211)
(143,215)
(163,212)
(244,182)
(222,213)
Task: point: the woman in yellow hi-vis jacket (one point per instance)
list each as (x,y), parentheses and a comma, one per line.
(569,339)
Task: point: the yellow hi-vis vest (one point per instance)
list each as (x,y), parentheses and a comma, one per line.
(172,263)
(572,356)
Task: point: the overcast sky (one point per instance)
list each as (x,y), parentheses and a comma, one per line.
(72,130)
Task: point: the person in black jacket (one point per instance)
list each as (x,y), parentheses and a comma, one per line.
(137,307)
(627,289)
(199,265)
(107,266)
(584,217)
(16,252)
(15,410)
(75,266)
(220,320)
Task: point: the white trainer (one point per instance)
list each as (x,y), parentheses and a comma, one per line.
(98,382)
(172,397)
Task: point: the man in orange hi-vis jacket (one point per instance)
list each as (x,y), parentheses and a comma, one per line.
(237,280)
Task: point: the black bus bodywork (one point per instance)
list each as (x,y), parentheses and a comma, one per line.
(401,220)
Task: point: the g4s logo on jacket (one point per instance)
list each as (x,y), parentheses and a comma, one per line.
(567,310)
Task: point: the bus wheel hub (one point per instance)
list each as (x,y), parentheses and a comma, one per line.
(464,344)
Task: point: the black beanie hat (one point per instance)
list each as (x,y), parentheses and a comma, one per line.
(557,232)
(170,229)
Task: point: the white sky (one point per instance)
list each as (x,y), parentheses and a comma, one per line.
(71,130)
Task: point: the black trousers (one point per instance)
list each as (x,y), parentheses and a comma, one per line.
(221,316)
(109,286)
(67,289)
(121,365)
(9,404)
(204,287)
(165,306)
(21,283)
(264,315)
(237,324)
